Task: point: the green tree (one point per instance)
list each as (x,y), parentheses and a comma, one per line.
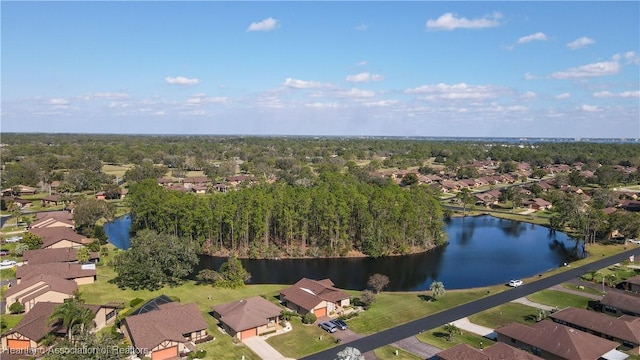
(451,331)
(367,298)
(16,308)
(83,255)
(154,260)
(32,240)
(98,233)
(87,212)
(15,211)
(73,316)
(464,196)
(20,248)
(232,274)
(437,289)
(409,179)
(84,348)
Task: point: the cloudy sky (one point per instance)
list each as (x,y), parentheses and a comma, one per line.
(518,69)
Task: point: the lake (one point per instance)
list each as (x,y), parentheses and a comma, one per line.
(482,251)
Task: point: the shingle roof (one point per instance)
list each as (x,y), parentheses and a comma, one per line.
(462,351)
(308,293)
(247,313)
(46,218)
(634,280)
(62,270)
(621,301)
(620,328)
(44,256)
(502,351)
(168,322)
(560,340)
(53,235)
(49,282)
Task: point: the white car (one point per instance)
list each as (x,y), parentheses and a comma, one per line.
(7,262)
(634,241)
(13,239)
(515,283)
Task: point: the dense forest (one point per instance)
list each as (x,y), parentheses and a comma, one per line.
(331,217)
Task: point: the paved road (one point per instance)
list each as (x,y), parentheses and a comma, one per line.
(412,328)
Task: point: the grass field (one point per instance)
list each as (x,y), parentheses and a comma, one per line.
(388,353)
(559,299)
(9,321)
(505,314)
(301,340)
(585,289)
(438,338)
(116,170)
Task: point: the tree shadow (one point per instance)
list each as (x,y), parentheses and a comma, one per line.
(440,335)
(531,318)
(426,297)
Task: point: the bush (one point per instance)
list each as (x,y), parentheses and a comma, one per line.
(200,354)
(16,307)
(135,302)
(309,318)
(287,315)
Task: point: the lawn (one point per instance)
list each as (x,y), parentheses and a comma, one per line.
(392,309)
(116,170)
(559,299)
(388,353)
(584,289)
(438,338)
(301,340)
(505,314)
(9,321)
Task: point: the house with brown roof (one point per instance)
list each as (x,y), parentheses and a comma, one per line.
(40,288)
(314,296)
(45,256)
(165,330)
(554,341)
(633,284)
(618,303)
(190,182)
(35,325)
(60,237)
(624,330)
(52,219)
(50,200)
(248,317)
(537,204)
(80,273)
(497,351)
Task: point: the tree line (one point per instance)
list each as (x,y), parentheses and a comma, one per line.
(334,215)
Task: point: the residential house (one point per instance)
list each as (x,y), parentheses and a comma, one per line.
(199,189)
(35,325)
(248,317)
(20,190)
(163,329)
(190,182)
(314,296)
(101,195)
(80,273)
(60,237)
(624,330)
(53,219)
(554,341)
(166,182)
(497,351)
(44,256)
(537,204)
(619,303)
(50,200)
(40,288)
(221,188)
(633,284)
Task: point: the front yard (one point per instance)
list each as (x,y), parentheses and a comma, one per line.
(301,340)
(559,299)
(438,338)
(505,314)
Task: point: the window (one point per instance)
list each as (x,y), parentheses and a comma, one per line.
(111,314)
(513,340)
(536,351)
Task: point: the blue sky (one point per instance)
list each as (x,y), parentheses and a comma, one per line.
(518,69)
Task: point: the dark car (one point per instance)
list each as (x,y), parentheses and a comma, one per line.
(328,327)
(339,324)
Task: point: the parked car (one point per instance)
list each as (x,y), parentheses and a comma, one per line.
(328,327)
(339,324)
(634,241)
(13,239)
(4,252)
(515,283)
(7,262)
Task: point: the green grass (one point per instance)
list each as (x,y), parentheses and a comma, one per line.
(438,338)
(585,289)
(505,314)
(301,340)
(559,299)
(388,353)
(116,170)
(9,321)
(392,309)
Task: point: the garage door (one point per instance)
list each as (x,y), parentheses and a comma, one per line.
(18,344)
(248,333)
(320,312)
(165,353)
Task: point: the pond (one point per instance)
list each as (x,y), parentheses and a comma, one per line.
(481,251)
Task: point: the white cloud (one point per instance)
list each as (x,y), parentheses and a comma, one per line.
(603,94)
(197,99)
(450,21)
(362,27)
(454,92)
(517,108)
(110,96)
(267,24)
(361,63)
(59,101)
(627,94)
(632,57)
(529,95)
(539,36)
(322,105)
(590,70)
(580,43)
(180,80)
(159,113)
(529,76)
(381,103)
(364,77)
(624,94)
(589,108)
(357,93)
(563,96)
(302,84)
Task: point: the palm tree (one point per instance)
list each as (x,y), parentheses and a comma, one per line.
(451,331)
(437,289)
(71,313)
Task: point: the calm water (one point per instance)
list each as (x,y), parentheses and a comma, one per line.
(482,251)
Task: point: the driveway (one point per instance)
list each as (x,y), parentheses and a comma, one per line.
(262,349)
(417,347)
(346,336)
(467,325)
